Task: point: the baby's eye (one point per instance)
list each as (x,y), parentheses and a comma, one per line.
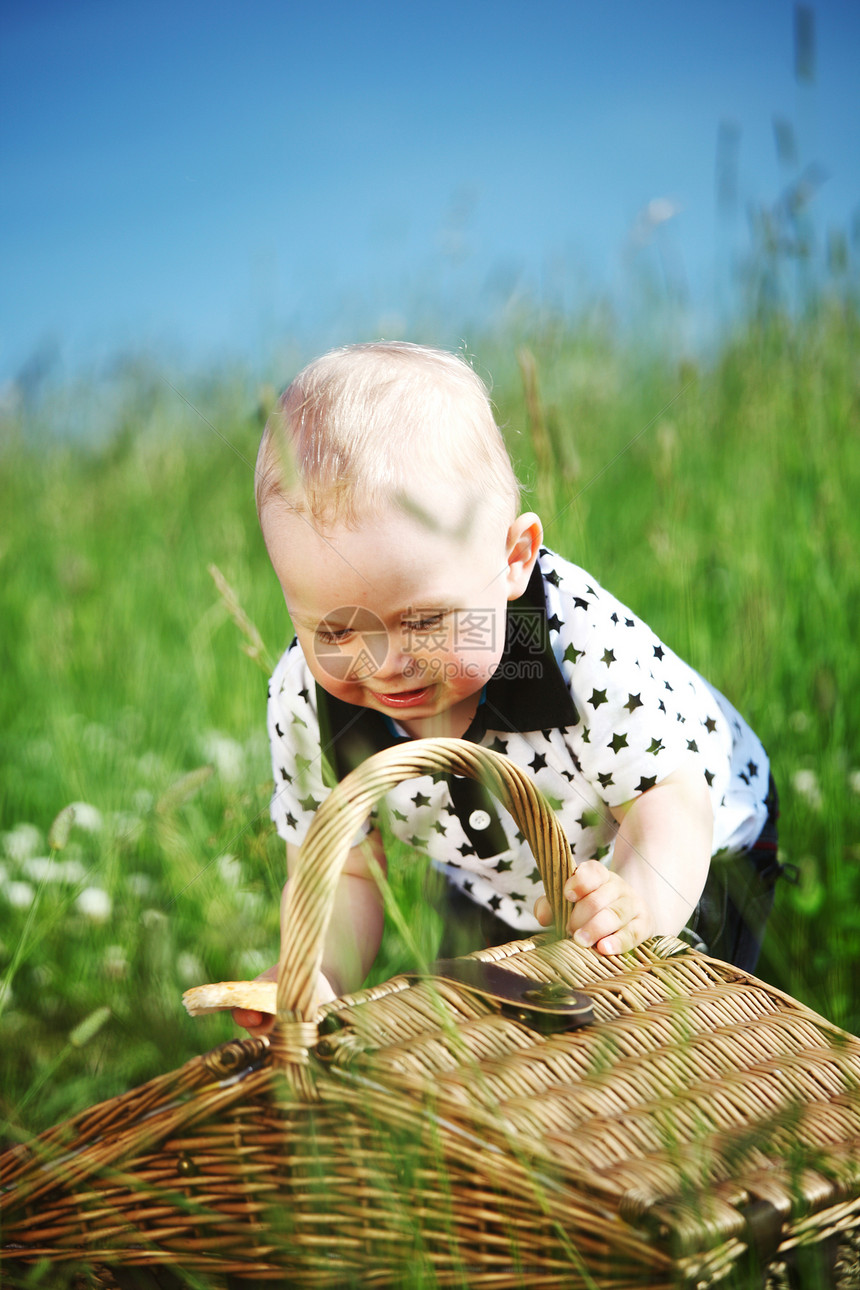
(333,636)
(426,623)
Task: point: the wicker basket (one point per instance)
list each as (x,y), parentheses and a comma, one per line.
(417,1133)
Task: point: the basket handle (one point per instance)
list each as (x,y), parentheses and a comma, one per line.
(335,824)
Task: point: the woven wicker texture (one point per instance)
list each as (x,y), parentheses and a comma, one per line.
(703,1121)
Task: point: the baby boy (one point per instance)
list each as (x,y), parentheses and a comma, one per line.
(424,603)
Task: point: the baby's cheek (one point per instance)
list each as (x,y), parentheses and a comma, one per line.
(461,673)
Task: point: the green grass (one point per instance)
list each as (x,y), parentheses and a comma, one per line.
(719,501)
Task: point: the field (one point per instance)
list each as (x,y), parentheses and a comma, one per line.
(138,616)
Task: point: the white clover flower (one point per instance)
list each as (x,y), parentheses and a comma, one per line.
(251,903)
(229,870)
(87,817)
(190,969)
(253,962)
(19,894)
(49,869)
(805,783)
(97,739)
(226,755)
(42,869)
(151,766)
(22,842)
(126,827)
(94,903)
(115,962)
(139,884)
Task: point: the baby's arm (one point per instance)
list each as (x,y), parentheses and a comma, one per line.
(660,862)
(355,931)
(354,934)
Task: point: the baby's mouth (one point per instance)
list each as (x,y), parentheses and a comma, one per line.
(405,698)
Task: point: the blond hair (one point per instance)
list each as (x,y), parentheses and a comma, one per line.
(358,424)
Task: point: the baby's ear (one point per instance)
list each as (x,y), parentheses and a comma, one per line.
(524,538)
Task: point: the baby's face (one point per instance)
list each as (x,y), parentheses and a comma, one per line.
(399,615)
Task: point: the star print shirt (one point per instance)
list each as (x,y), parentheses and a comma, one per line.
(586,699)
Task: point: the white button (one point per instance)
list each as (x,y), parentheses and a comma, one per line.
(479,819)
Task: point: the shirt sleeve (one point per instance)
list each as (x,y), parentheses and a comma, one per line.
(293,726)
(643,711)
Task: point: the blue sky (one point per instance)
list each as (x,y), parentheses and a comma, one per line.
(213,179)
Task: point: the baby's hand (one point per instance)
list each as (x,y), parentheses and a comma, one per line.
(607,913)
(257,1023)
(260,1023)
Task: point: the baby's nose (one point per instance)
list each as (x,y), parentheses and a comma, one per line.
(398,661)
